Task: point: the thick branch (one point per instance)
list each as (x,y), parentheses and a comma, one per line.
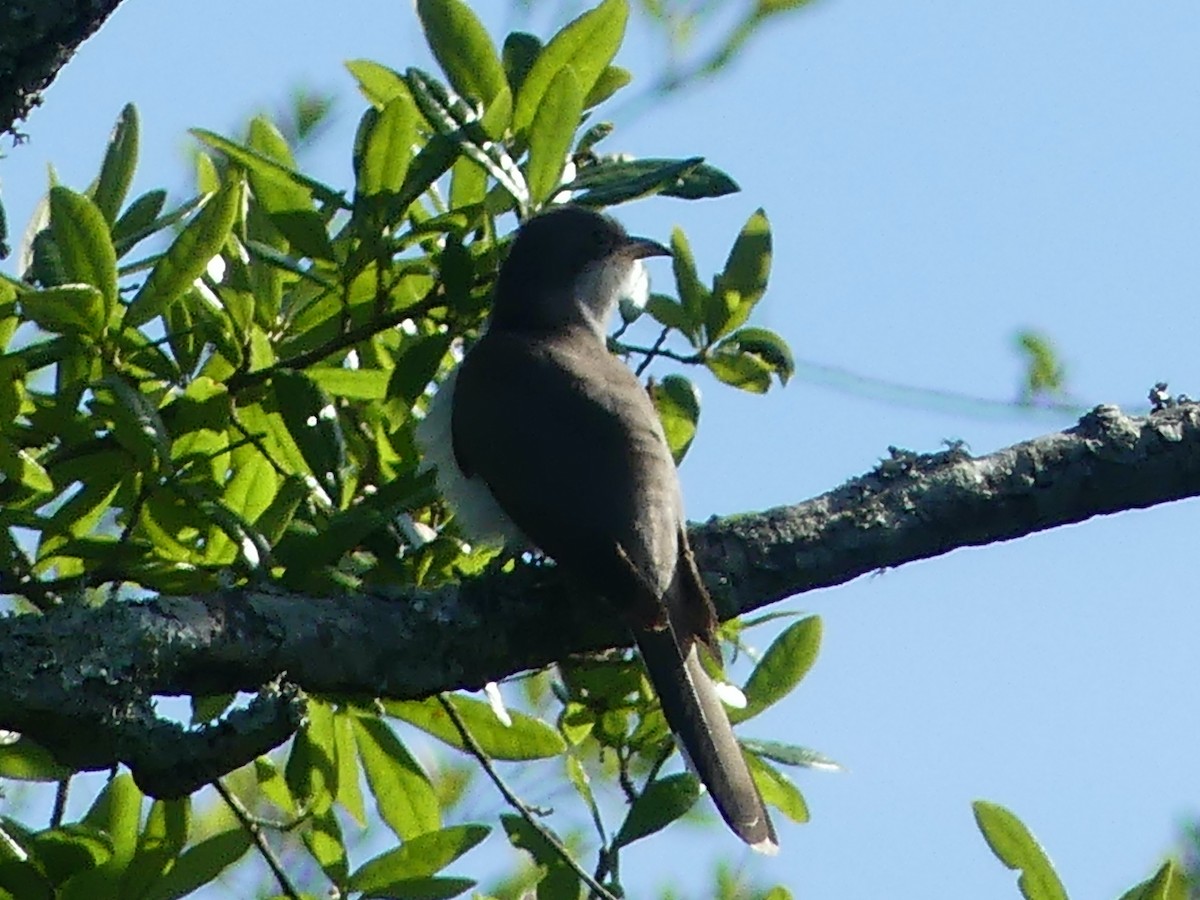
(37,38)
(79,680)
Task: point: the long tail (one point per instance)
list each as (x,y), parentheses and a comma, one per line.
(698,719)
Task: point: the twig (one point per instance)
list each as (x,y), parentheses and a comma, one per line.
(516,803)
(241,380)
(260,840)
(623,776)
(60,802)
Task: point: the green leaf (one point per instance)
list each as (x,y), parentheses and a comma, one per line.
(744,280)
(590,138)
(141,213)
(120,159)
(188,255)
(527,738)
(766,345)
(69,850)
(607,184)
(25,760)
(159,845)
(777,789)
(462,48)
(661,803)
(349,793)
(416,365)
(611,80)
(1044,370)
(129,240)
(403,794)
(785,663)
(117,812)
(688,179)
(311,771)
(252,159)
(420,857)
(559,879)
(67,309)
(790,754)
(587,44)
(670,313)
(201,864)
(425,889)
(387,148)
(323,838)
(692,292)
(288,204)
(1014,846)
(273,785)
(551,133)
(1170,882)
(377,82)
(85,249)
(311,420)
(678,404)
(741,370)
(354,384)
(519,54)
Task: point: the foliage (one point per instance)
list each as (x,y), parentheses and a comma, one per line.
(1017,848)
(222,391)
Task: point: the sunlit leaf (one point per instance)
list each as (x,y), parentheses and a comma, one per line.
(420,857)
(677,401)
(187,256)
(82,240)
(661,803)
(67,309)
(201,864)
(551,133)
(778,790)
(160,843)
(781,668)
(403,794)
(766,345)
(462,48)
(587,44)
(1014,846)
(558,880)
(526,738)
(120,159)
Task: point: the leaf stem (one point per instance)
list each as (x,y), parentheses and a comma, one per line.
(472,745)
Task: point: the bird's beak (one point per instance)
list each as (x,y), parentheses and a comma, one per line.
(640,248)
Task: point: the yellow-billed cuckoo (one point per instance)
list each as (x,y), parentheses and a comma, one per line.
(542,437)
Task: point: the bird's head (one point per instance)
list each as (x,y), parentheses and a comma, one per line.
(568,266)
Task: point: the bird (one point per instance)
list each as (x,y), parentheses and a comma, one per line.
(542,438)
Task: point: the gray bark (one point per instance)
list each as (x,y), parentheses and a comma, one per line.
(37,38)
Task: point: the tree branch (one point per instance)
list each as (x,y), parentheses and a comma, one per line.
(80,680)
(38,38)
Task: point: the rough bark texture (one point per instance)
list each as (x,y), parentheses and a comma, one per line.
(80,681)
(37,38)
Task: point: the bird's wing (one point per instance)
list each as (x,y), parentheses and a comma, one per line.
(526,415)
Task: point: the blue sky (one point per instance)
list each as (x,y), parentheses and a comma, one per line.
(938,175)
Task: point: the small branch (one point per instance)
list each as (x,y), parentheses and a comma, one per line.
(239,381)
(656,350)
(254,829)
(516,803)
(60,802)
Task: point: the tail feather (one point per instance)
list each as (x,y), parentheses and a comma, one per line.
(696,716)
